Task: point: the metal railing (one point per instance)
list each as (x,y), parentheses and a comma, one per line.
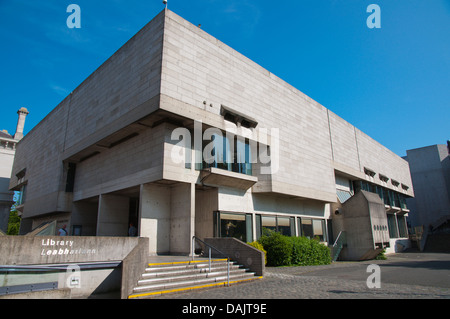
(210,248)
(341,240)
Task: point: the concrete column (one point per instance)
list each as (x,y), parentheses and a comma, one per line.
(154,212)
(167,217)
(113,213)
(182,222)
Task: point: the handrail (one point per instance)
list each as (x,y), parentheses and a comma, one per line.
(338,245)
(59,267)
(194,238)
(337,239)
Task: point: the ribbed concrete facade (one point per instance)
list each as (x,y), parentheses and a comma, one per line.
(112,145)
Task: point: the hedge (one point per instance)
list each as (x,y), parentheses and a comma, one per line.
(279,249)
(294,251)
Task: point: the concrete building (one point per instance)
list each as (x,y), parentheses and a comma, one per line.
(430,172)
(7,150)
(181,135)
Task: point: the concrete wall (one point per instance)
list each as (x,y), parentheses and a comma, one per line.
(429,170)
(118,93)
(85,214)
(42,159)
(54,249)
(198,68)
(360,213)
(140,160)
(113,215)
(243,253)
(354,150)
(43,250)
(206,202)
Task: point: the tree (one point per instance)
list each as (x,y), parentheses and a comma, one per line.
(14,221)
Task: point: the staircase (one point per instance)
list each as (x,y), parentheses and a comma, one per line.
(181,276)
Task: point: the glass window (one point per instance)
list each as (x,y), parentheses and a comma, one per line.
(392,224)
(220,153)
(268,223)
(233,225)
(386,197)
(343,195)
(284,226)
(319,229)
(249,228)
(313,228)
(307,228)
(380,192)
(402,229)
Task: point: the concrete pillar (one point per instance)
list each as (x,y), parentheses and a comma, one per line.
(167,217)
(113,213)
(154,212)
(182,223)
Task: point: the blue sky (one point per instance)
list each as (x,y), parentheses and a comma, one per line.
(392,83)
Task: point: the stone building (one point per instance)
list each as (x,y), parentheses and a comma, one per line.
(430,172)
(7,150)
(181,135)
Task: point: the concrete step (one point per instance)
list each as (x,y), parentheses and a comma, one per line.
(181,282)
(150,273)
(186,265)
(190,276)
(173,277)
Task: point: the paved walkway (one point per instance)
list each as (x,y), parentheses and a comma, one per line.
(403,276)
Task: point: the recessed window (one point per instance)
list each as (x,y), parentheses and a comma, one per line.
(369,172)
(237,118)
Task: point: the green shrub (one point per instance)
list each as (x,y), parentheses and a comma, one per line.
(381,255)
(298,251)
(279,249)
(259,246)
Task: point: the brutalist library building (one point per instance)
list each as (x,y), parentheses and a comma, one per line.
(181,136)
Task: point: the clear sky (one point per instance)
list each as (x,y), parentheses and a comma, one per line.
(393,83)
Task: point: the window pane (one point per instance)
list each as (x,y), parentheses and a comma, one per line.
(392,226)
(284,226)
(318,228)
(268,223)
(307,228)
(233,225)
(403,233)
(249,227)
